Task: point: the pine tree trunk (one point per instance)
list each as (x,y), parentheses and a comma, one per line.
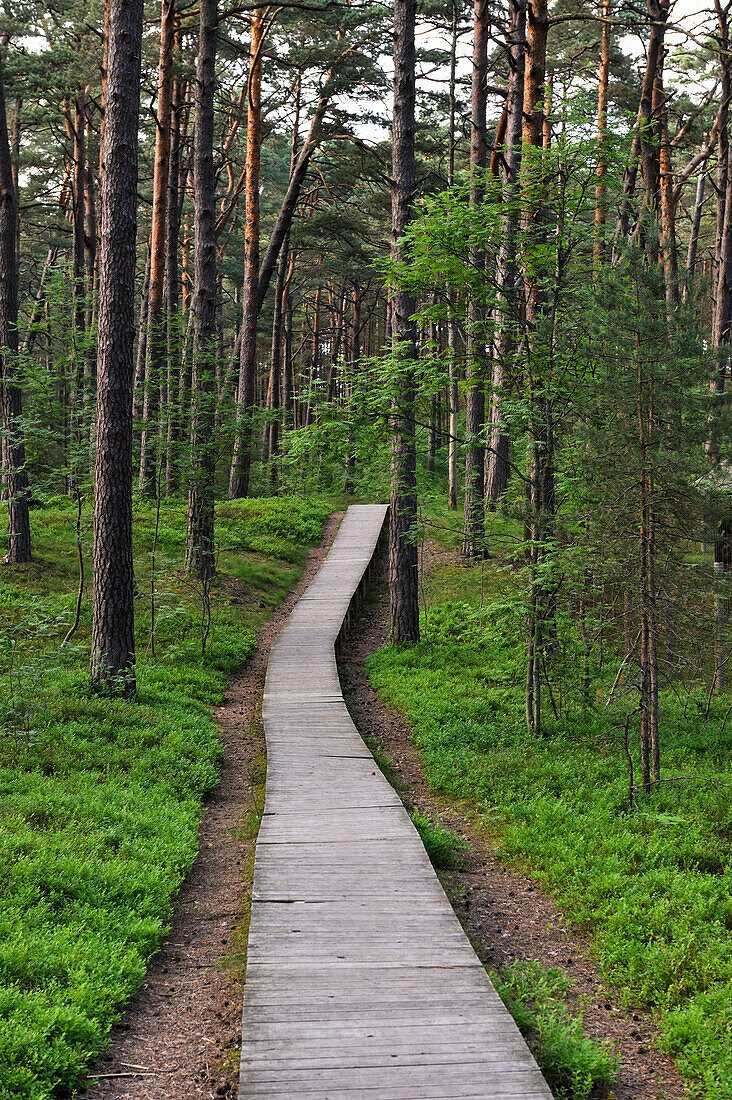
(601,170)
(338,307)
(275,378)
(156,369)
(403,549)
(452,332)
(138,388)
(171,290)
(15,159)
(354,364)
(650,138)
(650,754)
(287,396)
(540,458)
(78,134)
(454,403)
(16,478)
(687,288)
(92,229)
(113,635)
(497,465)
(722,297)
(241,462)
(669,248)
(474,528)
(200,554)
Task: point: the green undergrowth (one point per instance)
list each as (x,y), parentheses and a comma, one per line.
(575,1066)
(100,798)
(652,884)
(445,849)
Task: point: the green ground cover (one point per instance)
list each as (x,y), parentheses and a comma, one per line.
(100,798)
(652,885)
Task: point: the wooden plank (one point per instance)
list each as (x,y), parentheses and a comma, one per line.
(360,981)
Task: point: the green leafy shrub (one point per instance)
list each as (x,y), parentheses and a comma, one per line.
(575,1067)
(445,849)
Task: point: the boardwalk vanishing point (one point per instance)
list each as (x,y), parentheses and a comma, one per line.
(360,983)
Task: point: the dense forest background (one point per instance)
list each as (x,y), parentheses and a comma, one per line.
(529,287)
(476,260)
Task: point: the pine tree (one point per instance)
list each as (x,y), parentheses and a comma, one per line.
(113,634)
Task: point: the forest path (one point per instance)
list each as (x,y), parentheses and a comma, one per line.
(360,980)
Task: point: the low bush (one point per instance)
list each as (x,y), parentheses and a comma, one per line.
(575,1066)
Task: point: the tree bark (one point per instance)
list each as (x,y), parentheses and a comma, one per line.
(241,462)
(171,289)
(722,296)
(474,526)
(275,376)
(113,635)
(354,364)
(540,464)
(669,249)
(16,478)
(403,549)
(200,553)
(452,328)
(138,388)
(687,288)
(497,465)
(650,137)
(157,338)
(601,169)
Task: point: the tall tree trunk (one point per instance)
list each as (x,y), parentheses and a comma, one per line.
(113,634)
(474,528)
(78,135)
(76,130)
(339,308)
(200,556)
(669,248)
(601,169)
(497,458)
(241,462)
(157,338)
(403,549)
(171,289)
(540,456)
(15,158)
(650,137)
(452,329)
(354,364)
(687,288)
(645,147)
(275,377)
(19,537)
(650,756)
(722,296)
(294,187)
(138,388)
(287,396)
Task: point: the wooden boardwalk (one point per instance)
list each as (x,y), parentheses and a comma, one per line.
(361,983)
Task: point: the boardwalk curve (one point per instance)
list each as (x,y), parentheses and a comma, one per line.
(361,983)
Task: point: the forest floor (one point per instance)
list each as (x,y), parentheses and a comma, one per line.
(506,915)
(179,1038)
